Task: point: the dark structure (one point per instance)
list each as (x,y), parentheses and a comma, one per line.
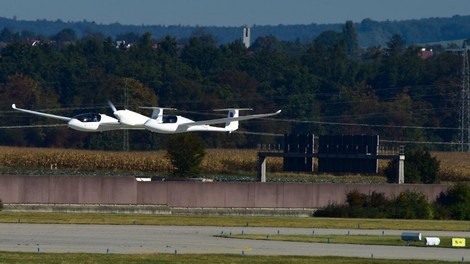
(344,153)
(295,143)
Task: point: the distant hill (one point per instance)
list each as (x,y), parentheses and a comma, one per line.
(371,33)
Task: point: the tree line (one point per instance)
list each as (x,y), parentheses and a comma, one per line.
(370,32)
(327,85)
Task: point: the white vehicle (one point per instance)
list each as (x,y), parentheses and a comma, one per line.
(157,122)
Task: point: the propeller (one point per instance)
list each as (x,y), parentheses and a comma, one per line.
(112,106)
(116,113)
(125,116)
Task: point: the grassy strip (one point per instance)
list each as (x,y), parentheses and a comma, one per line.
(14,257)
(386,240)
(141,219)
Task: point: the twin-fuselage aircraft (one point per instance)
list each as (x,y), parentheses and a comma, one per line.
(157,122)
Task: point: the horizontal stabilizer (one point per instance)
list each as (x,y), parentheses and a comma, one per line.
(230,109)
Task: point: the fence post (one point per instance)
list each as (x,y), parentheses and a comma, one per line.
(401,169)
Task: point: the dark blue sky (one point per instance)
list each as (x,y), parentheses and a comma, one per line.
(230,12)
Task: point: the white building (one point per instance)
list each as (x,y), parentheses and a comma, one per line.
(246,37)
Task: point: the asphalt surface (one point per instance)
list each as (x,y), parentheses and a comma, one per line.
(199,240)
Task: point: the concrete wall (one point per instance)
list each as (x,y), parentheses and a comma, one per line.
(19,189)
(67,189)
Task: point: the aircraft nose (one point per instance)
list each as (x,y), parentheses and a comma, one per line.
(123,118)
(149,124)
(126,118)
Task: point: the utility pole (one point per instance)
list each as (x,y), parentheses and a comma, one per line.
(465,102)
(125,135)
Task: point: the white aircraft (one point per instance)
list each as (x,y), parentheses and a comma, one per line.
(157,122)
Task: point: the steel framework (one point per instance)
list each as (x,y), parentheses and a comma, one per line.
(465,102)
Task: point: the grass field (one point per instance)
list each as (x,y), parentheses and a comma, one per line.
(12,257)
(251,221)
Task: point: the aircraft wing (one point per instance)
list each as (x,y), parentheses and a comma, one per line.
(64,118)
(229,119)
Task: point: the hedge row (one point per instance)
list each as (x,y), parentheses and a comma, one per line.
(451,204)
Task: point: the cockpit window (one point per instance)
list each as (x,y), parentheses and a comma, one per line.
(88,117)
(169,119)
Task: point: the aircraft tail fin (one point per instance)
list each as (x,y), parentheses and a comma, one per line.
(232,125)
(232,113)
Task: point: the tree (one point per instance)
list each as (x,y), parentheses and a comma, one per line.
(186,152)
(420,167)
(396,44)
(24,91)
(169,47)
(66,35)
(202,54)
(454,203)
(6,35)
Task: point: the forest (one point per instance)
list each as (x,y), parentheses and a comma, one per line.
(329,85)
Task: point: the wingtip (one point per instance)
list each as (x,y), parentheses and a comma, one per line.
(13,106)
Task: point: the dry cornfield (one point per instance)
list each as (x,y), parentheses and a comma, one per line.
(455,166)
(215,161)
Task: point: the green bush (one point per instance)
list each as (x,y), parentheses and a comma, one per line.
(1,205)
(186,152)
(333,210)
(420,167)
(355,198)
(454,203)
(410,204)
(358,205)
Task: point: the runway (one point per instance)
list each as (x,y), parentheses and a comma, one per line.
(132,239)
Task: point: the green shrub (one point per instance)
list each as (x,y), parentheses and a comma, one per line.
(333,210)
(454,203)
(410,204)
(355,198)
(358,205)
(1,205)
(186,152)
